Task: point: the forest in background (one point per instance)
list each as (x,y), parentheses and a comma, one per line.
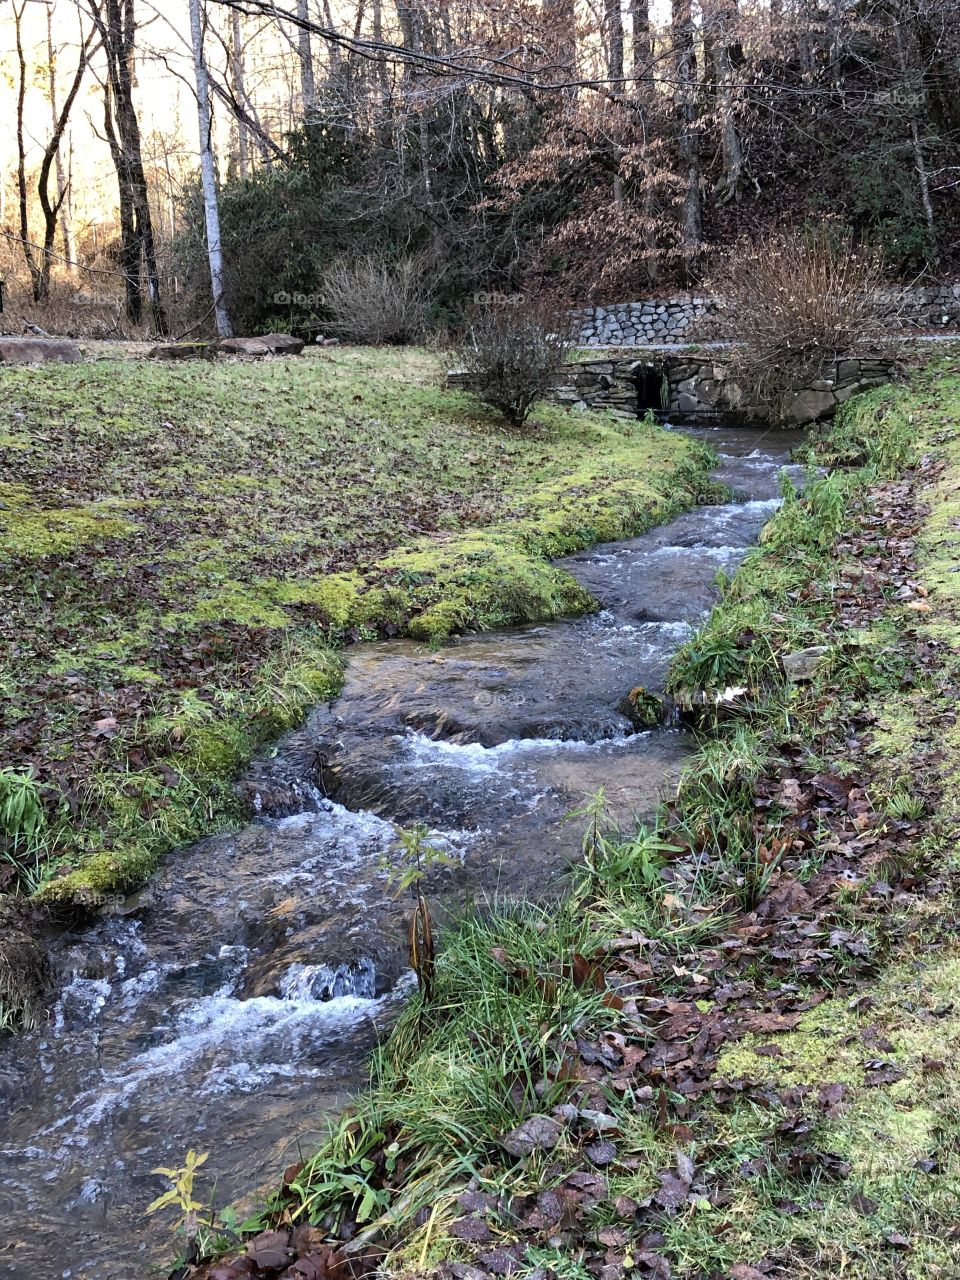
(590,151)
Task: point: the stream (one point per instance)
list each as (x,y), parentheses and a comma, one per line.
(231,1005)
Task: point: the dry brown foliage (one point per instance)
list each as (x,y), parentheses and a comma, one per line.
(796,303)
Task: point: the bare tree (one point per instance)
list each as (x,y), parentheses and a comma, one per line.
(237,79)
(640,16)
(63,186)
(116,25)
(208,173)
(308,86)
(23,203)
(719,17)
(685,72)
(613,21)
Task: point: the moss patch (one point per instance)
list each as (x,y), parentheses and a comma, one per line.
(896,1126)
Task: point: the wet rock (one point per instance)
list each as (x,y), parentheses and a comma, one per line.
(39,351)
(810,406)
(644,710)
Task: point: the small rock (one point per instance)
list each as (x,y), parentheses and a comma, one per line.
(803,664)
(539,1133)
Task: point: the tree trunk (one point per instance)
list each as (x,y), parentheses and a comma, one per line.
(720,41)
(63,188)
(561,19)
(685,74)
(640,38)
(239,92)
(117,28)
(912,81)
(52,208)
(381,65)
(614,25)
(411,26)
(23,205)
(308,87)
(208,174)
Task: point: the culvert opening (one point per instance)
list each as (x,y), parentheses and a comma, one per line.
(650,397)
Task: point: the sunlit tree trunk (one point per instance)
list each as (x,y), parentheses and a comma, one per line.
(117,27)
(613,20)
(308,86)
(237,77)
(63,187)
(23,205)
(208,174)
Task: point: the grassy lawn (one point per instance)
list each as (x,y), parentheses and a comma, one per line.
(184,548)
(733,1050)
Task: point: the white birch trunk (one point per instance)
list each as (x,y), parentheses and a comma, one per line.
(208,174)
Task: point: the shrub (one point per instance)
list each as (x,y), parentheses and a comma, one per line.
(511,356)
(795,304)
(376,300)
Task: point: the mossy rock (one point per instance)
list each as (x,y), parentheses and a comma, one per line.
(644,710)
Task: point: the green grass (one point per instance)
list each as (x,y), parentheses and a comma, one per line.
(459,1072)
(185,548)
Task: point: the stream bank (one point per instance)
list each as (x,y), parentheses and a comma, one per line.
(178,583)
(232,1004)
(731,1050)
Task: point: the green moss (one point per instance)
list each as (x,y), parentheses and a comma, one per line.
(31,530)
(232,602)
(207,744)
(335,596)
(882,1130)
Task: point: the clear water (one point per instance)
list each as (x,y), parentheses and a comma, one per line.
(231,1005)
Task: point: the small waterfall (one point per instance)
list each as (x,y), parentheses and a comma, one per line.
(321,982)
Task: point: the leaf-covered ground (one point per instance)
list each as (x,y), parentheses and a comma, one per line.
(733,1051)
(184,547)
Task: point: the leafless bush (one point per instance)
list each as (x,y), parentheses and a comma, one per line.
(378,300)
(511,355)
(794,304)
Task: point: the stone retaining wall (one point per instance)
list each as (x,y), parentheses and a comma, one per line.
(697,389)
(689,317)
(634,324)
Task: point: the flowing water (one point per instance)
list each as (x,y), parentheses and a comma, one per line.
(231,1005)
